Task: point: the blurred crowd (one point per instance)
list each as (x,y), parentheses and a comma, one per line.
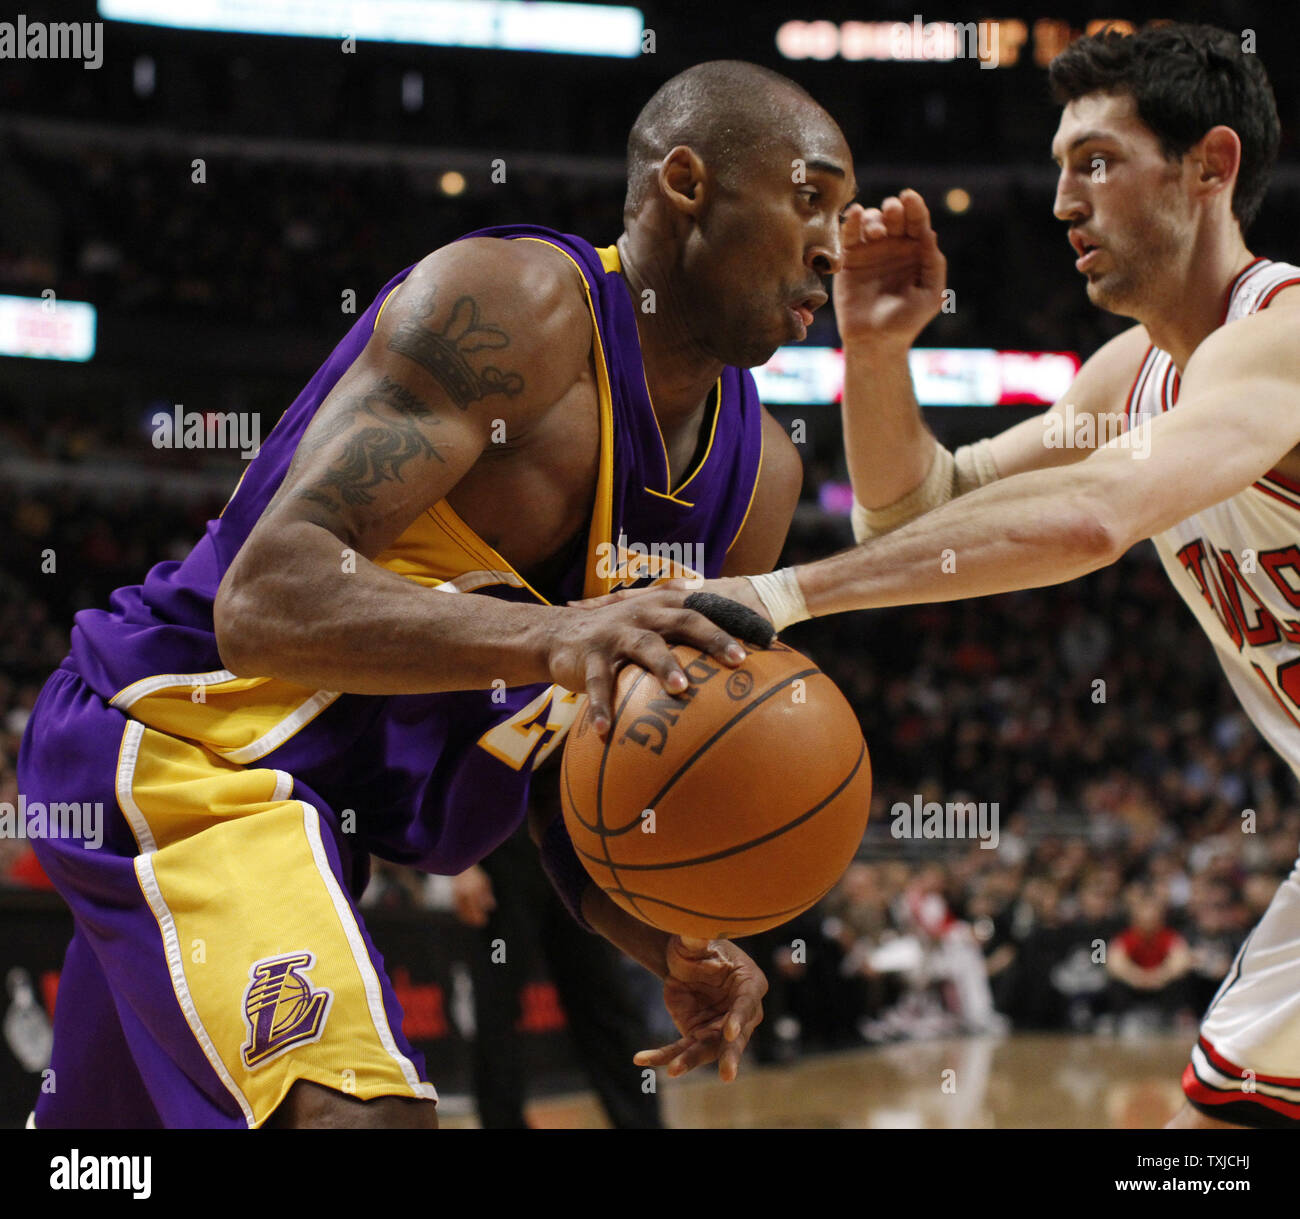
(1142,823)
(276,243)
(257,243)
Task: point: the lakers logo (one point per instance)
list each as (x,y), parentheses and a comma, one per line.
(281,1008)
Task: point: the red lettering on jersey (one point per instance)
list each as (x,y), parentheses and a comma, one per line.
(1192,557)
(1266,629)
(1288,677)
(1275,562)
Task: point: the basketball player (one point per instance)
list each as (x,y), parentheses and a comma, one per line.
(369,651)
(1165,146)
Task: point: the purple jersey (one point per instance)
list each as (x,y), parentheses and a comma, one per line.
(436,781)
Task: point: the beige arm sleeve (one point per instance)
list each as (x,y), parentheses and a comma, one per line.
(950,475)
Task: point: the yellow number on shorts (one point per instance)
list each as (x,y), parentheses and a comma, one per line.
(512,741)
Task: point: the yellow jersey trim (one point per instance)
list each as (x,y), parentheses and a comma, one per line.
(609,259)
(602,518)
(713,431)
(758,474)
(613,264)
(667,468)
(490,561)
(385,306)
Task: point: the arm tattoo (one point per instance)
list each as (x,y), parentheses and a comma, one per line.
(442,352)
(374,452)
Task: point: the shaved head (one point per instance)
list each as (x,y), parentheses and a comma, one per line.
(737,182)
(727,111)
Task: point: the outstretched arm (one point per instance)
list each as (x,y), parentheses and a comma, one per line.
(1239,414)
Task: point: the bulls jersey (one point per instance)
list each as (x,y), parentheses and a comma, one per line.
(1237,564)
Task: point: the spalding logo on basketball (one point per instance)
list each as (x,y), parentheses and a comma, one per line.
(724,810)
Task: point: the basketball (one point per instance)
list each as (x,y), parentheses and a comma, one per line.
(724,810)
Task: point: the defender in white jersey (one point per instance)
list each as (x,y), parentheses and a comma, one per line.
(1165,144)
(1237,562)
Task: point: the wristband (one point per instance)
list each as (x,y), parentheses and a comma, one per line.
(781,596)
(950,475)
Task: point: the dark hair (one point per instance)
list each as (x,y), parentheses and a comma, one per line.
(726,109)
(1185,79)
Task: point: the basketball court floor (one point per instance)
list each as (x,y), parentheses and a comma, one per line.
(1025,1081)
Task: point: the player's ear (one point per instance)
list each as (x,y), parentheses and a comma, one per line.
(682,179)
(1217,156)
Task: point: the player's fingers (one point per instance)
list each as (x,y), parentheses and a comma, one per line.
(729,1060)
(663,1055)
(895,218)
(745,1016)
(647,649)
(852,233)
(916,216)
(710,1030)
(689,626)
(599,687)
(695,1055)
(740,1024)
(873,224)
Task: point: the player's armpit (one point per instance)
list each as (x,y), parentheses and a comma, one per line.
(1238,415)
(757,547)
(1088,415)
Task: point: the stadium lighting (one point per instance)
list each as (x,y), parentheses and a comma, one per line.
(512,25)
(46,329)
(943,376)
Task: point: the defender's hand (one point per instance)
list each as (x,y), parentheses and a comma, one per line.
(714,993)
(893,277)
